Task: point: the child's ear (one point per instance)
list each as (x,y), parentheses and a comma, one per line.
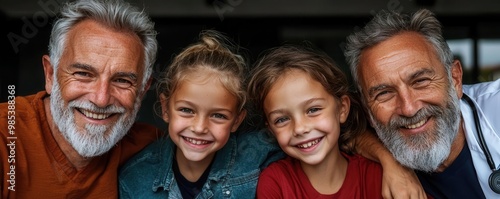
(345,105)
(164,107)
(238,121)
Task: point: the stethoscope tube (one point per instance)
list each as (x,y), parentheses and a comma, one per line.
(494,179)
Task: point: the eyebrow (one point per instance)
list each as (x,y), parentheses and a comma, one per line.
(83,67)
(278,111)
(216,109)
(421,72)
(309,101)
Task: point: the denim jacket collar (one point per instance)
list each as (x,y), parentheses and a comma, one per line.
(220,167)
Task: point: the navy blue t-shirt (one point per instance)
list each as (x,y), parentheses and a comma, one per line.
(459,180)
(189,189)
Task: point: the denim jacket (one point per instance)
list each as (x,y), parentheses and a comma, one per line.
(234,172)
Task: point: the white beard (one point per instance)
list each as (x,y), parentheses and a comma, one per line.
(426,151)
(93,140)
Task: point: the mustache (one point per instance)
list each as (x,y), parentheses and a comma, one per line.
(89,106)
(398,121)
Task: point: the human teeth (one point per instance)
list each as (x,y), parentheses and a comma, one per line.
(309,144)
(98,116)
(195,142)
(419,124)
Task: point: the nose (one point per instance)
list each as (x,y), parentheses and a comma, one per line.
(199,124)
(301,126)
(408,104)
(102,94)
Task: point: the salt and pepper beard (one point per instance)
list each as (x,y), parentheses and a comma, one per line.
(427,150)
(94,139)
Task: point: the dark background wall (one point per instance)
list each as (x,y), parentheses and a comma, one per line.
(254,24)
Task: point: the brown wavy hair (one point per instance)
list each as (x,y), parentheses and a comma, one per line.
(277,61)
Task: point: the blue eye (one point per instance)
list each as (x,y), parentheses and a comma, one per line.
(280,120)
(186,110)
(313,110)
(219,116)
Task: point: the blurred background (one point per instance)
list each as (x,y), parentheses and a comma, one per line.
(472,29)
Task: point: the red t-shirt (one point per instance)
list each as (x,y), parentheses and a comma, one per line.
(286,179)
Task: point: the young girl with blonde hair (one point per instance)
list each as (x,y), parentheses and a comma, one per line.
(202,96)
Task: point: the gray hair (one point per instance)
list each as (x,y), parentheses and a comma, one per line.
(388,24)
(115,14)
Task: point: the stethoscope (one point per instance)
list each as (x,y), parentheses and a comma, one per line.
(494,179)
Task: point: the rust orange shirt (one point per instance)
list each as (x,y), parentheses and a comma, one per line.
(33,165)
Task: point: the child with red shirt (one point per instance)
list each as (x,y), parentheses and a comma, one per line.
(307,106)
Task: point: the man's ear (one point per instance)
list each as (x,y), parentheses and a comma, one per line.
(238,121)
(164,107)
(48,70)
(456,76)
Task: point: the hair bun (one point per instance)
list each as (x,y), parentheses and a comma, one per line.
(210,42)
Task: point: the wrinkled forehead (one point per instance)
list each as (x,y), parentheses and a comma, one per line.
(399,54)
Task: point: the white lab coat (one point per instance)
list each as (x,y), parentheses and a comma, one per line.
(486,97)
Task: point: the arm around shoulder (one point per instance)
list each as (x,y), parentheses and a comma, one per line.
(397,181)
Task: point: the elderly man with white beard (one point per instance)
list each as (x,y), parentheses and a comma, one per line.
(69,140)
(412,88)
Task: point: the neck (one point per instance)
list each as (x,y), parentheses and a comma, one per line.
(328,176)
(192,170)
(71,154)
(456,148)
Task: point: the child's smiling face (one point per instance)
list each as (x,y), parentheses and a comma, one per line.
(304,117)
(201,115)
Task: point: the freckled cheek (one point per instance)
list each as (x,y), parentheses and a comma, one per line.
(173,129)
(328,124)
(283,141)
(222,137)
(177,124)
(283,136)
(220,130)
